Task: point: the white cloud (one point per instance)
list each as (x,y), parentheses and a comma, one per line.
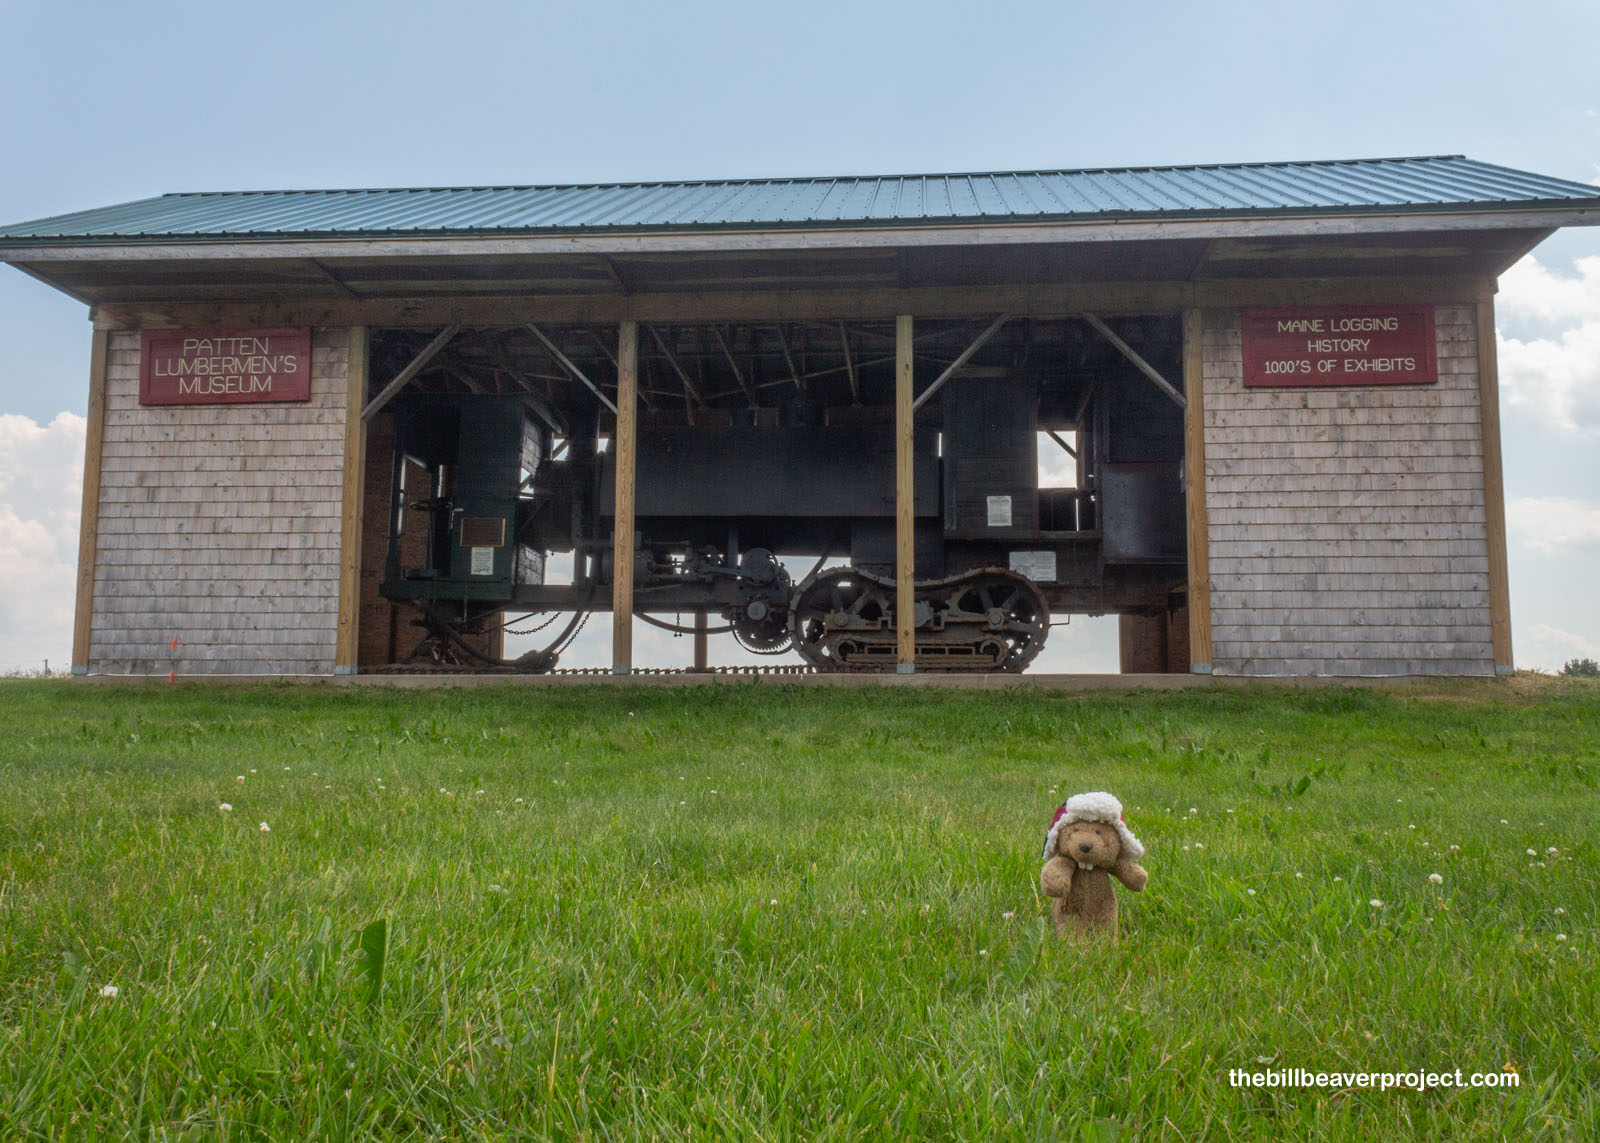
(1551,525)
(1531,290)
(1549,648)
(41,488)
(1549,341)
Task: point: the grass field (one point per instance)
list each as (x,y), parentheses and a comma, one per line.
(758,912)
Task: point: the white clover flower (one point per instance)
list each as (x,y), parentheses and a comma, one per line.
(1436,878)
(1185,845)
(1533,853)
(265,828)
(983,952)
(286,769)
(1252,892)
(1453,848)
(1199,845)
(1552,851)
(225,808)
(1560,912)
(1193,810)
(1007,916)
(516,801)
(1504,822)
(480,791)
(111,991)
(1413,826)
(1338,878)
(1561,936)
(1299,876)
(1375,903)
(240,778)
(252,769)
(774,901)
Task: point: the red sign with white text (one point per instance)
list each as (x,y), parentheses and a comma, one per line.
(224,366)
(1339,345)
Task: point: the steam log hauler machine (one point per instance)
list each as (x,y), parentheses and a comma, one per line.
(766,490)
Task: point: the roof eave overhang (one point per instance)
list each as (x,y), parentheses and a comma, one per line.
(167,248)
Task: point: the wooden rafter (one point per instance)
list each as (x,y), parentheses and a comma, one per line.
(794,374)
(744,383)
(849,365)
(690,389)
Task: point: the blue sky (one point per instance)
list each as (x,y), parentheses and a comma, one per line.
(102,103)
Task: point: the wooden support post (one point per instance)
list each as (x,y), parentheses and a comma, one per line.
(622,536)
(702,649)
(1494,489)
(905,606)
(346,651)
(1194,460)
(89,521)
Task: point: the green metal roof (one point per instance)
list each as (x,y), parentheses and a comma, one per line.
(1363,186)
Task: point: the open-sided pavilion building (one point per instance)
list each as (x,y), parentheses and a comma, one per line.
(1274,386)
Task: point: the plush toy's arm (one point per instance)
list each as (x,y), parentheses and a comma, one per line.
(1056,877)
(1130,874)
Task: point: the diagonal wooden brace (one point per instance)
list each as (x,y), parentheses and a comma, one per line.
(1140,363)
(405,376)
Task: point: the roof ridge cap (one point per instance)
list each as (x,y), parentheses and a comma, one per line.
(772,180)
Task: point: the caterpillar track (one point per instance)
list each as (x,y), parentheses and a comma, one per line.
(991,620)
(841,620)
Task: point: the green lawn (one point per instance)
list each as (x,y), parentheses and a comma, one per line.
(768,912)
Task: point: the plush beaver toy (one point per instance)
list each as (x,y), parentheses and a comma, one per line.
(1089,844)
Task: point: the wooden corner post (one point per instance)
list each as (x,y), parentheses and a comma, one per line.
(347,646)
(1494,489)
(622,536)
(1194,471)
(905,597)
(89,521)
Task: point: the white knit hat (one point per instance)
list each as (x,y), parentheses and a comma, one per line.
(1096,807)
